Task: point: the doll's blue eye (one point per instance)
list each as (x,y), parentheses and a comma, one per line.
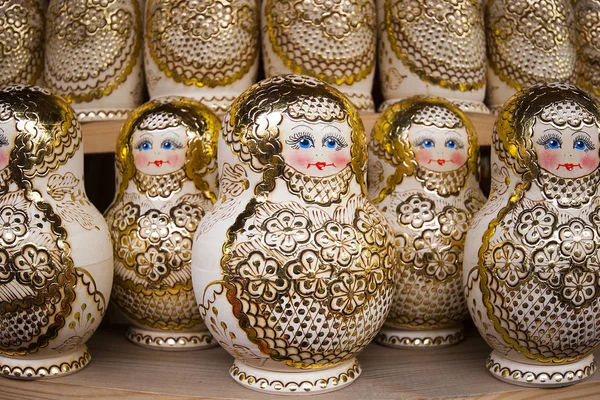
(331,142)
(305,142)
(167,145)
(450,144)
(583,143)
(553,144)
(428,143)
(146,145)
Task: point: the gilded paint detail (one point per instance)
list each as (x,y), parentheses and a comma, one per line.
(331,40)
(440,41)
(538,260)
(91,46)
(587,16)
(530,42)
(429,208)
(203,43)
(22,42)
(309,278)
(158,208)
(38,280)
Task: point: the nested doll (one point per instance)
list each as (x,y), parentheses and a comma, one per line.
(305,274)
(55,253)
(166,161)
(531,266)
(423,170)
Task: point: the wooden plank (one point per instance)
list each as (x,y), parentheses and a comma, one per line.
(101,137)
(120,369)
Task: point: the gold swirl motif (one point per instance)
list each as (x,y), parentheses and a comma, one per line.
(334,41)
(21,42)
(587,16)
(429,36)
(91,46)
(203,43)
(529,41)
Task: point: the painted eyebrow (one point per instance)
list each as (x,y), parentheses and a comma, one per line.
(302,126)
(331,126)
(553,130)
(582,132)
(145,134)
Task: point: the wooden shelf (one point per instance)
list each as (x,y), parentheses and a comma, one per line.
(101,137)
(120,369)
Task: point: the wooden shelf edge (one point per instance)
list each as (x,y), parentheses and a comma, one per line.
(101,137)
(120,369)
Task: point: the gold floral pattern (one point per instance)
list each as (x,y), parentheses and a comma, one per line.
(91,48)
(541,31)
(21,42)
(264,277)
(314,38)
(203,43)
(415,29)
(287,230)
(13,224)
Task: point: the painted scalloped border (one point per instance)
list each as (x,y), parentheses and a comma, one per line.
(423,341)
(528,377)
(47,371)
(193,341)
(306,386)
(102,115)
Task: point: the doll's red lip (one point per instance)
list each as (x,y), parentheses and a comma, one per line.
(569,167)
(320,165)
(440,161)
(158,163)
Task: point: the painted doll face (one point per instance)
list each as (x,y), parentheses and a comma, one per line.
(7,138)
(566,152)
(159,152)
(439,149)
(316,149)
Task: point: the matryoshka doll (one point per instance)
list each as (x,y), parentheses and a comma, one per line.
(55,255)
(167,167)
(423,171)
(93,56)
(304,279)
(531,269)
(335,41)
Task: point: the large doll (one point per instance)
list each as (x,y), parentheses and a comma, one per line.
(166,160)
(423,170)
(55,253)
(304,278)
(531,262)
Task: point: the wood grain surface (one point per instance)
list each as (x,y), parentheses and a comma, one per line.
(122,370)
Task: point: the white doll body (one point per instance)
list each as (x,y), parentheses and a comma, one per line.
(62,249)
(429,208)
(153,221)
(531,257)
(305,277)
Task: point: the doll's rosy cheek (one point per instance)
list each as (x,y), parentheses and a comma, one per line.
(301,159)
(549,159)
(458,158)
(140,159)
(3,157)
(175,159)
(423,156)
(589,161)
(341,159)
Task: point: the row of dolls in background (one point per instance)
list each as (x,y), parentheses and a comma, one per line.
(277,235)
(209,49)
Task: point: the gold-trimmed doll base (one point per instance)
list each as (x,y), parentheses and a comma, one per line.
(540,375)
(31,368)
(412,339)
(300,382)
(171,340)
